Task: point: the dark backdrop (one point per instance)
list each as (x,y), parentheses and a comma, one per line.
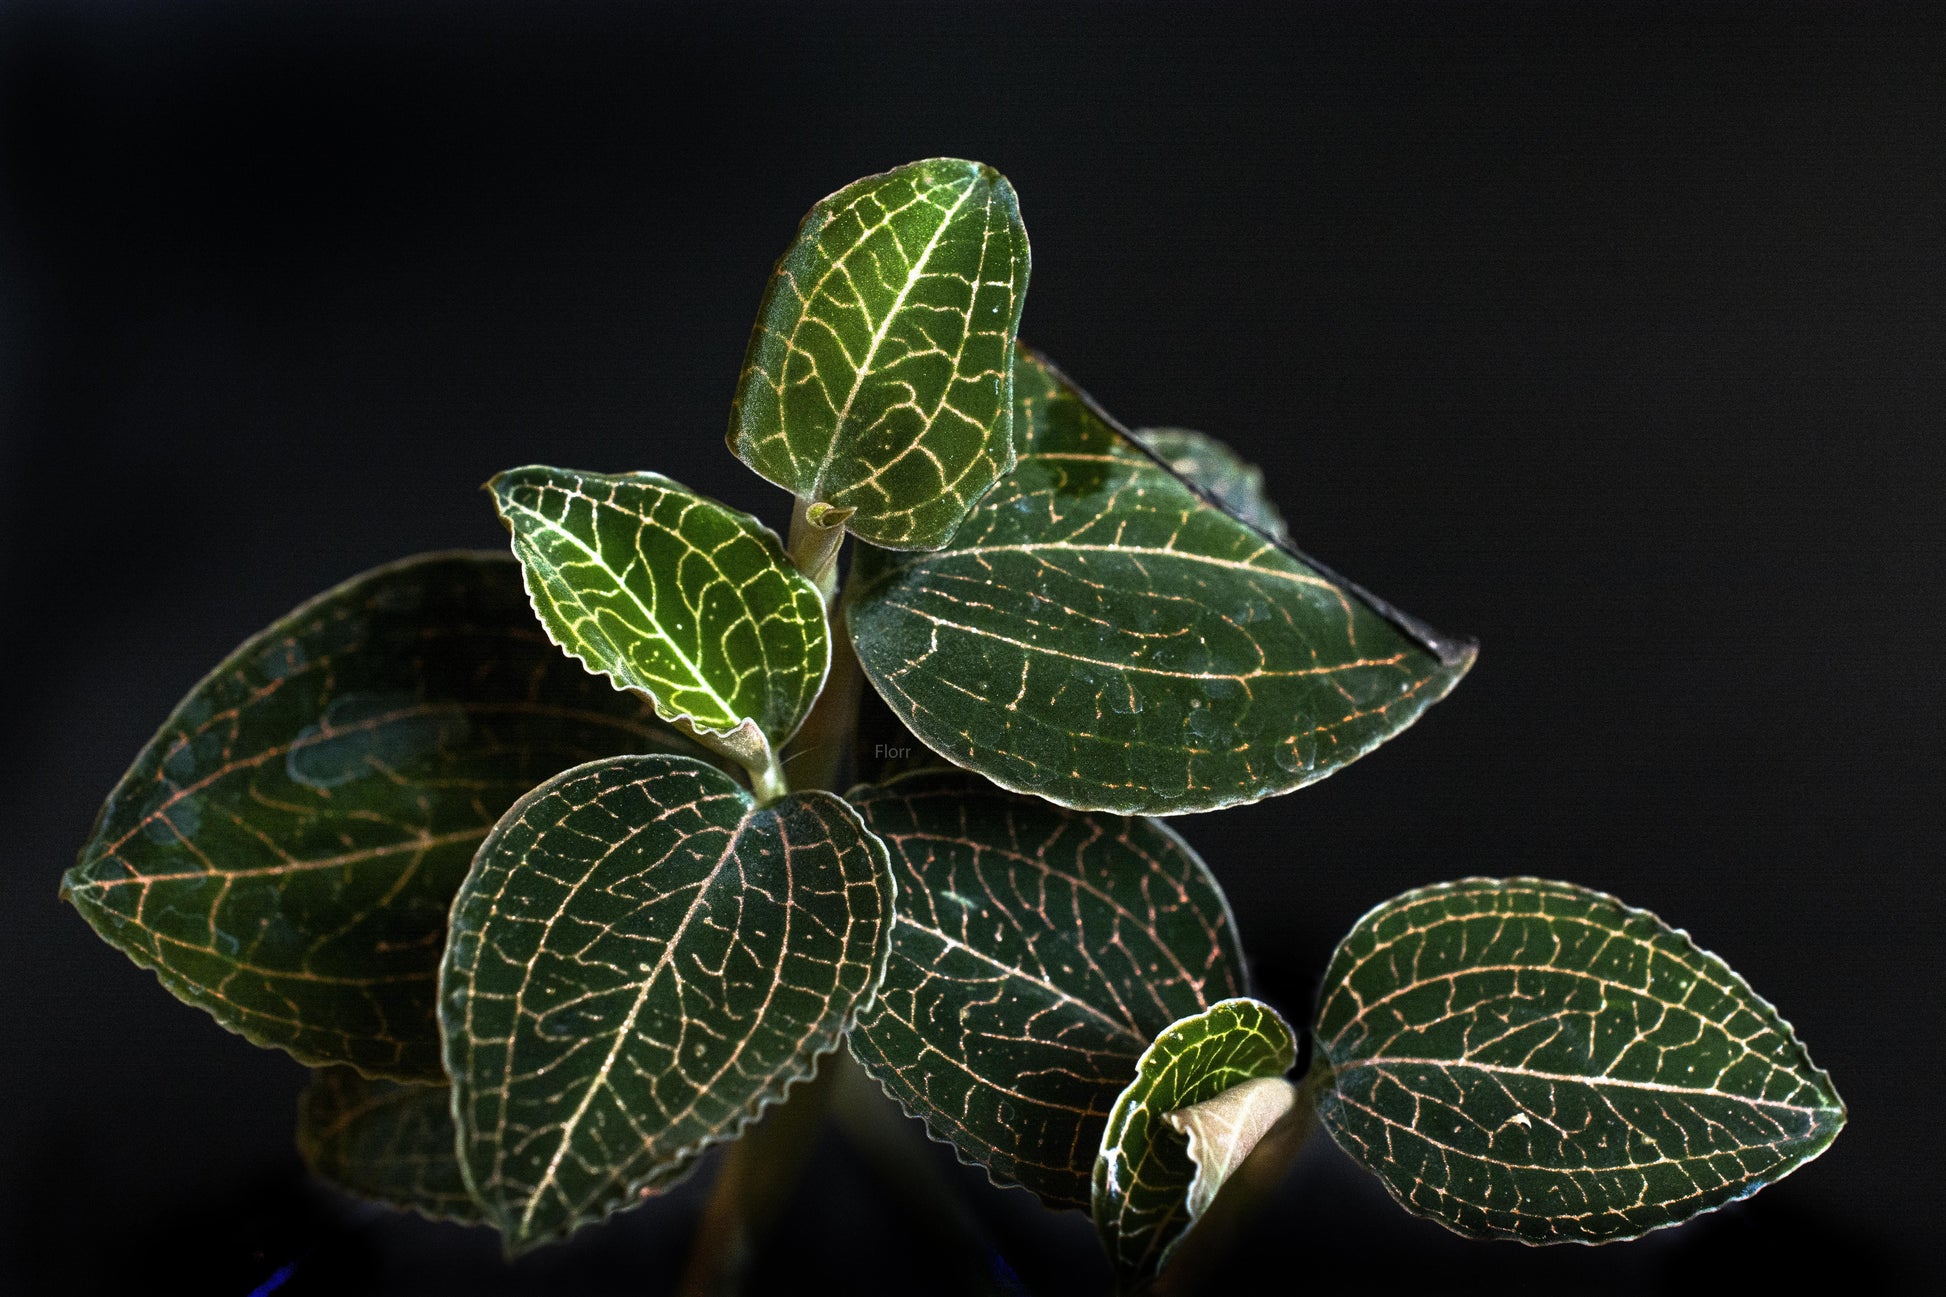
(1610,336)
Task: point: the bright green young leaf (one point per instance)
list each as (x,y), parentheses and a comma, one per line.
(641,961)
(878,377)
(1236,484)
(1037,953)
(284,850)
(669,593)
(384,1141)
(1099,635)
(1533,1060)
(1142,1179)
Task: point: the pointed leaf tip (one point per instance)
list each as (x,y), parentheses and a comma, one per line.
(1532,1060)
(1099,634)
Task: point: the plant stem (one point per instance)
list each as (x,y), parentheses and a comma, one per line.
(817,533)
(753,1183)
(748,747)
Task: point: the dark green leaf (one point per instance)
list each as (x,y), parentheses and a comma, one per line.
(284,851)
(669,593)
(878,376)
(1037,953)
(388,1142)
(1098,635)
(642,960)
(1235,483)
(1533,1060)
(1143,1177)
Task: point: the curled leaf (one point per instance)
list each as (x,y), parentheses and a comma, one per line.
(1037,952)
(1143,1176)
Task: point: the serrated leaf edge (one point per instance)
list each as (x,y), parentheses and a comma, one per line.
(648,1185)
(1790,1033)
(995,1178)
(673,716)
(166,979)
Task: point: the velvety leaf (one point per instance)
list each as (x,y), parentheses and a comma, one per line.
(1223,1131)
(284,850)
(643,959)
(878,376)
(385,1141)
(669,593)
(1099,635)
(1533,1060)
(1143,1176)
(1037,952)
(1232,481)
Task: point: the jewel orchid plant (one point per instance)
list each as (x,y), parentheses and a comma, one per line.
(551,865)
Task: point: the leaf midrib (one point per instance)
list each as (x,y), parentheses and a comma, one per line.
(1511,1069)
(728,709)
(864,367)
(548,1177)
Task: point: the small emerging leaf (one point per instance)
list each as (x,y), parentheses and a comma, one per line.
(669,593)
(641,961)
(1143,1176)
(1533,1060)
(284,850)
(1221,1132)
(384,1141)
(878,378)
(1235,483)
(1099,635)
(1037,953)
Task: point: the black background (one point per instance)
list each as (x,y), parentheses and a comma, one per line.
(1612,337)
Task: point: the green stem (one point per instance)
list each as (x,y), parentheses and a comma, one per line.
(817,534)
(748,747)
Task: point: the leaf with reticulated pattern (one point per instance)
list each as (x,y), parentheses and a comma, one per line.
(641,961)
(1532,1060)
(1232,481)
(1038,951)
(385,1141)
(1143,1177)
(1100,635)
(878,376)
(669,593)
(284,850)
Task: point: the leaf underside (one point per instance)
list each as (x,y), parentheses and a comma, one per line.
(385,1141)
(642,960)
(878,377)
(1143,1176)
(1037,952)
(1236,484)
(284,851)
(1533,1060)
(1221,1132)
(1099,635)
(670,593)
